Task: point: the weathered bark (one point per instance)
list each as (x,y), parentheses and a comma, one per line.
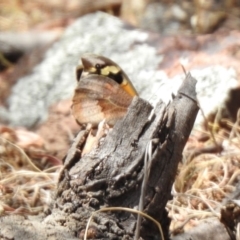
(111,175)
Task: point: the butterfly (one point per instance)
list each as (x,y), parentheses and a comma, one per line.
(104,91)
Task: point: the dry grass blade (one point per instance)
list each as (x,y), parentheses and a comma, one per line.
(147,164)
(24,188)
(205,180)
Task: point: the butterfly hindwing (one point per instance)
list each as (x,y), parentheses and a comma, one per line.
(98,97)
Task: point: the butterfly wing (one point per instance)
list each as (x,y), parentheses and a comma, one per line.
(98,97)
(95,64)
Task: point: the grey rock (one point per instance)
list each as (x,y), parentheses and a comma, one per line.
(53,79)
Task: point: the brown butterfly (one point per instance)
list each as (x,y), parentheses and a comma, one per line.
(104,91)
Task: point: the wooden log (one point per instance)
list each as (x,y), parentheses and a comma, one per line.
(111,175)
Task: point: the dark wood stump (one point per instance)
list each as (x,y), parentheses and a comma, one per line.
(111,175)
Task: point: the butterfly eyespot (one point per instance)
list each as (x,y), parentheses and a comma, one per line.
(97,66)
